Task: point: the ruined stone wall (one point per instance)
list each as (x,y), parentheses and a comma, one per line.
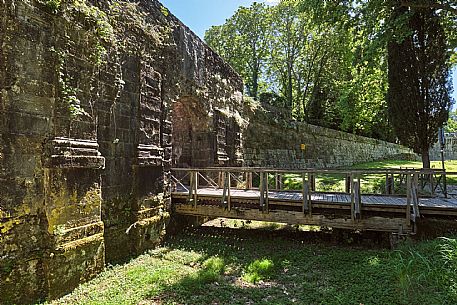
(270,140)
(450,148)
(88,94)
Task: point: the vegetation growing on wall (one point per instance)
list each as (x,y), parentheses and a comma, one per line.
(104,38)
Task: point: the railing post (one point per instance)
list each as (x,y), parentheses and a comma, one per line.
(195,188)
(191,185)
(348,183)
(229,199)
(357,199)
(221,178)
(392,180)
(224,200)
(310,191)
(312,181)
(387,184)
(415,197)
(305,193)
(278,182)
(248,180)
(408,199)
(352,198)
(262,191)
(390,184)
(266,193)
(445,184)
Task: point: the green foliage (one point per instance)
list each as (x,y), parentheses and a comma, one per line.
(100,36)
(211,272)
(96,21)
(299,271)
(243,42)
(52,5)
(448,250)
(419,88)
(7,267)
(326,61)
(213,268)
(429,267)
(259,270)
(310,55)
(451,125)
(100,27)
(135,20)
(68,93)
(164,11)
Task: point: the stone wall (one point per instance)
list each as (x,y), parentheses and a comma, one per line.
(98,100)
(88,94)
(271,140)
(450,148)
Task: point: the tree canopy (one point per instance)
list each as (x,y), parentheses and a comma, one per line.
(419,83)
(330,64)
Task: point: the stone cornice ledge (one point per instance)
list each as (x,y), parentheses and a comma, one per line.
(149,155)
(72,153)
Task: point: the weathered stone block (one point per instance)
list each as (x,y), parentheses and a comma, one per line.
(74,262)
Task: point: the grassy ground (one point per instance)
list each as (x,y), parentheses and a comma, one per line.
(264,263)
(237,266)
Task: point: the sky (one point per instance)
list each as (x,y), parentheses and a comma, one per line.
(200,15)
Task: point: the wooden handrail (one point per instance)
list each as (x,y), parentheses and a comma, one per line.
(311,174)
(316,171)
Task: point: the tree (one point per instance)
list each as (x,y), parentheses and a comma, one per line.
(243,42)
(419,85)
(309,58)
(451,125)
(288,40)
(329,59)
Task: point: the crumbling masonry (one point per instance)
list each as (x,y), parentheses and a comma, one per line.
(88,92)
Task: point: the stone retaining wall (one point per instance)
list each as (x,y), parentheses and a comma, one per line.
(272,141)
(450,148)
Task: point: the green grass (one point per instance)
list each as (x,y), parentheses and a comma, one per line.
(450,165)
(259,270)
(233,266)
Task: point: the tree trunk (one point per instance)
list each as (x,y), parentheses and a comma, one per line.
(425,158)
(290,94)
(255,84)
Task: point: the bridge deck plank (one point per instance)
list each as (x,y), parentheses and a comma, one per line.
(295,197)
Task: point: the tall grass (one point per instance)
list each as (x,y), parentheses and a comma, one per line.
(427,268)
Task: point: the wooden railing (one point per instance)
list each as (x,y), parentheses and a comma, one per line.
(411,184)
(428,180)
(416,183)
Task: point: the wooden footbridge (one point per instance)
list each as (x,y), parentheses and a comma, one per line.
(312,197)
